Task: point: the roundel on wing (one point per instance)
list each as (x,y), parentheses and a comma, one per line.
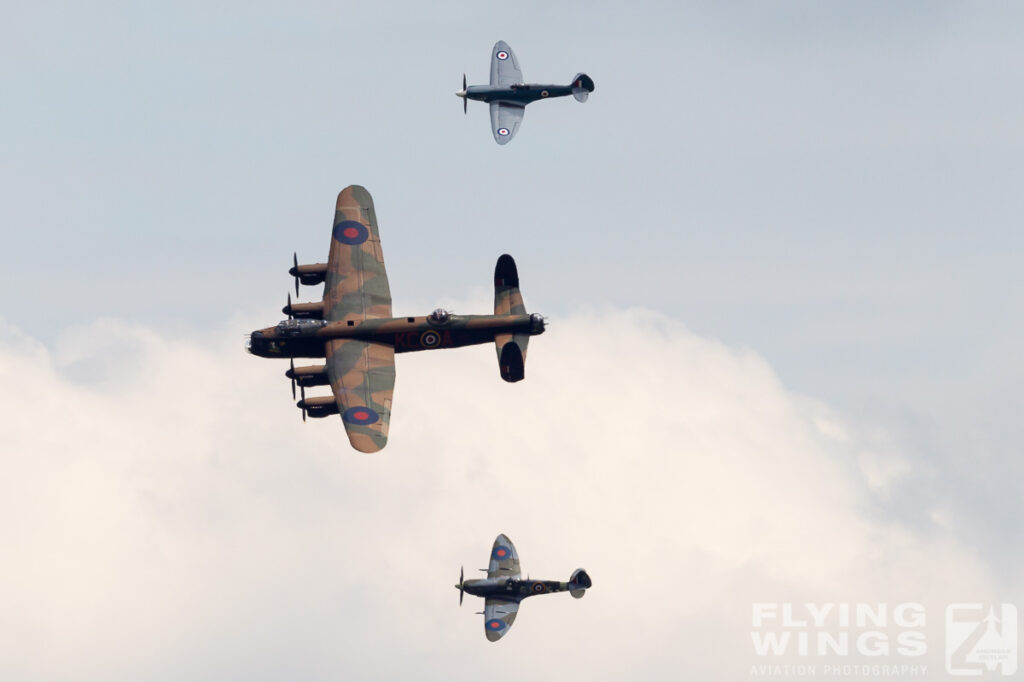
(501,552)
(503,131)
(544,93)
(351,232)
(494,624)
(502,55)
(360,415)
(430,339)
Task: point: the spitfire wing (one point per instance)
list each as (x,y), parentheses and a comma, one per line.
(362,375)
(505,120)
(504,65)
(504,559)
(498,617)
(356,285)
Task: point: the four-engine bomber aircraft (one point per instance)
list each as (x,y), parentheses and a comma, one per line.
(503,589)
(508,95)
(353,329)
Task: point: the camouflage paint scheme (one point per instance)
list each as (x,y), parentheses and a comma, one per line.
(353,328)
(508,95)
(503,589)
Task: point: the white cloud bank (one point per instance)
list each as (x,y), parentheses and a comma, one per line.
(167,516)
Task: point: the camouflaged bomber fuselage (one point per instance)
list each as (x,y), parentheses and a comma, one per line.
(306,338)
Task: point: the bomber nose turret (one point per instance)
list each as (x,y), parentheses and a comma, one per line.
(254,343)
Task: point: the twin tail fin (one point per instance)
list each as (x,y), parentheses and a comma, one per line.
(508,301)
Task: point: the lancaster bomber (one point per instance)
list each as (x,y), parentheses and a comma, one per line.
(508,95)
(503,588)
(353,329)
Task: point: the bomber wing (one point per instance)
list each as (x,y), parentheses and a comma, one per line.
(356,284)
(362,375)
(504,559)
(504,65)
(498,617)
(505,120)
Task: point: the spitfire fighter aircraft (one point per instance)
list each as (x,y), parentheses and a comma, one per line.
(353,330)
(503,588)
(508,95)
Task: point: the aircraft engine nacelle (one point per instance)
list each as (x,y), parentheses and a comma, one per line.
(318,407)
(304,311)
(309,375)
(311,274)
(579,581)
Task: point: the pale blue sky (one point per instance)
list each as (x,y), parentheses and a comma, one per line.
(834,186)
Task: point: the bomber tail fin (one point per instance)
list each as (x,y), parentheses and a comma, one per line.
(579,582)
(508,301)
(582,86)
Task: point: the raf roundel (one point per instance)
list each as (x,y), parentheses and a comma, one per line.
(430,339)
(360,415)
(351,232)
(503,131)
(502,55)
(501,552)
(495,624)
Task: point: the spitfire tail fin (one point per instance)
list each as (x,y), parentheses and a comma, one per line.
(582,86)
(508,301)
(579,582)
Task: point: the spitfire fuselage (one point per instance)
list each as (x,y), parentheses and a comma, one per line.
(306,338)
(511,589)
(521,93)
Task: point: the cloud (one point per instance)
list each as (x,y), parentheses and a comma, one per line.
(166,514)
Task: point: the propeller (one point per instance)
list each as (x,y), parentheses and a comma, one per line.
(289,307)
(462,589)
(291,365)
(465,100)
(302,392)
(295,261)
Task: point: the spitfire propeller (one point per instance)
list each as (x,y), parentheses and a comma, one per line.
(462,93)
(462,588)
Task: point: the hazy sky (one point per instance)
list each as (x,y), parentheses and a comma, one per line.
(779,247)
